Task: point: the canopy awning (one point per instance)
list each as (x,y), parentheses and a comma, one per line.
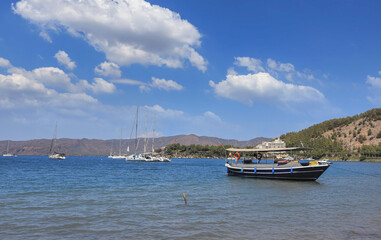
(268,149)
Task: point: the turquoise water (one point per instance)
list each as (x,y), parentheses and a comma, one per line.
(100,198)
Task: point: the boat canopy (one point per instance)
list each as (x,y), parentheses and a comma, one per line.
(268,149)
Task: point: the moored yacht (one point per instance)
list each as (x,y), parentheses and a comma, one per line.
(145,156)
(53,154)
(7,154)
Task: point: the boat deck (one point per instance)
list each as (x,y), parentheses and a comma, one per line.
(265,165)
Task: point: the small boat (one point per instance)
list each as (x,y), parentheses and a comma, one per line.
(7,154)
(60,156)
(286,169)
(120,156)
(52,153)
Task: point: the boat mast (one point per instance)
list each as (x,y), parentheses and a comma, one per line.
(145,136)
(153,134)
(54,139)
(136,131)
(120,142)
(112,148)
(8,147)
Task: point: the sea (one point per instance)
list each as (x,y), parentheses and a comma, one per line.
(101,198)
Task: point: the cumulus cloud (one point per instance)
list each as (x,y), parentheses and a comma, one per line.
(64,59)
(374,82)
(165,113)
(158,83)
(98,86)
(281,67)
(108,69)
(4,63)
(252,64)
(46,86)
(17,90)
(262,87)
(127,31)
(212,116)
(166,85)
(275,68)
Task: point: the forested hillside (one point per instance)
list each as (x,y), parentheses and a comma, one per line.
(359,135)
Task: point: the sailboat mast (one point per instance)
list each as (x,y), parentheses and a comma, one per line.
(145,135)
(8,147)
(136,131)
(53,140)
(153,134)
(120,142)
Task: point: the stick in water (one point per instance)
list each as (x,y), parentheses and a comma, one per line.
(185,199)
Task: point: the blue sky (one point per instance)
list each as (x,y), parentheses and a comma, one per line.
(230,69)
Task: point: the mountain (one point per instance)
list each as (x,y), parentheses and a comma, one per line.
(95,147)
(349,134)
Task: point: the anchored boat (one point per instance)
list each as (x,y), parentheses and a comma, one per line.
(279,168)
(53,154)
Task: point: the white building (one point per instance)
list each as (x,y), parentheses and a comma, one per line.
(277,143)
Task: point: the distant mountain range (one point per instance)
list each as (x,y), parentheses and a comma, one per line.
(332,136)
(96,147)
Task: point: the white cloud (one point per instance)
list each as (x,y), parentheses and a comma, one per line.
(64,59)
(48,87)
(19,91)
(128,81)
(164,113)
(127,31)
(277,69)
(4,63)
(162,84)
(375,89)
(212,116)
(108,69)
(281,67)
(165,84)
(52,77)
(45,36)
(252,64)
(374,82)
(379,73)
(262,87)
(98,86)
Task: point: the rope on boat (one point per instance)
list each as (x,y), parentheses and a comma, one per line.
(360,173)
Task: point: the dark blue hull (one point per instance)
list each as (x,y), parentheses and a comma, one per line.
(305,173)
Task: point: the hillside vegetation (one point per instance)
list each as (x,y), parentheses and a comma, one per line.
(358,136)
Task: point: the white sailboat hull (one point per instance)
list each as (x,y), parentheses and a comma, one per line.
(57,156)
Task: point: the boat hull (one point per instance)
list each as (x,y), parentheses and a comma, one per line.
(302,173)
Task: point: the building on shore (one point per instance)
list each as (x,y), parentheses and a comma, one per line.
(277,143)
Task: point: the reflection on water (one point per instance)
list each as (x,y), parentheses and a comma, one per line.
(92,197)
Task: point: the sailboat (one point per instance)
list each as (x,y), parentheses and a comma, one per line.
(135,156)
(52,153)
(9,154)
(120,156)
(145,156)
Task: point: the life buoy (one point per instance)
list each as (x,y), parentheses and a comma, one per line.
(237,156)
(259,156)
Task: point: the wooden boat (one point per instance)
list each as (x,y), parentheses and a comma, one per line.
(286,169)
